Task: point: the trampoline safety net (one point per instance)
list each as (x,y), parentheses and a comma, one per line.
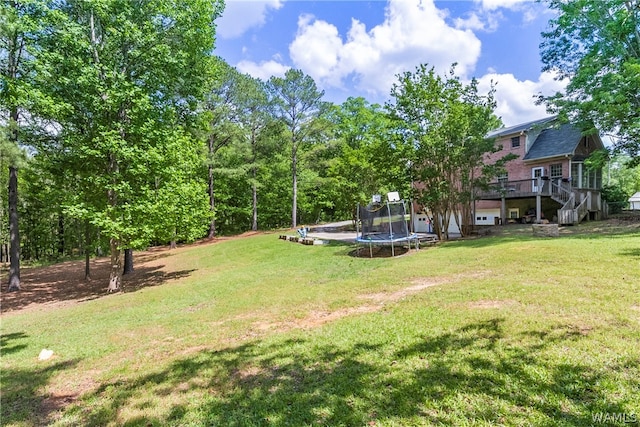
(384,224)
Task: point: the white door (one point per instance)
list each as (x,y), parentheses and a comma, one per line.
(535,174)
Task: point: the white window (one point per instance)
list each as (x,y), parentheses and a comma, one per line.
(556,170)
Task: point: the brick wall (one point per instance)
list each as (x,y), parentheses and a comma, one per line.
(517,170)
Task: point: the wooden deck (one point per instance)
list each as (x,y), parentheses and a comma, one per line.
(524,189)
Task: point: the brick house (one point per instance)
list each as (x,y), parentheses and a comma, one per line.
(549,179)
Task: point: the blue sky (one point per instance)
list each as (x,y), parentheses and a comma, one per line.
(357,48)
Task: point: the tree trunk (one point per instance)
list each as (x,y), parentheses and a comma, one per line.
(14,232)
(115,276)
(173,244)
(294,173)
(254,191)
(212,202)
(254,186)
(254,225)
(13,63)
(87,249)
(87,265)
(60,235)
(128,261)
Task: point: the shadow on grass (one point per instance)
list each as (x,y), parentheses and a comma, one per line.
(379,251)
(632,252)
(22,401)
(7,344)
(57,283)
(472,374)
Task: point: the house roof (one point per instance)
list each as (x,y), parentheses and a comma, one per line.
(554,142)
(524,127)
(635,197)
(551,139)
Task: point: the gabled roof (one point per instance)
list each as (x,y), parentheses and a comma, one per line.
(635,197)
(553,142)
(517,129)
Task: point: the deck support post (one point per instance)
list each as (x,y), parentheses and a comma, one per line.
(503,211)
(539,202)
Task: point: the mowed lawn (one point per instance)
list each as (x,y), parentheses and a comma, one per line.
(502,330)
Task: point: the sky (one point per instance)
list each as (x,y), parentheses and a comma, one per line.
(358,48)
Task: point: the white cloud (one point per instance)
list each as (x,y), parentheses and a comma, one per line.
(515,98)
(496,4)
(263,70)
(471,22)
(489,14)
(240,15)
(412,33)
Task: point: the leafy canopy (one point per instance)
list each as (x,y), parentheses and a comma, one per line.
(596,45)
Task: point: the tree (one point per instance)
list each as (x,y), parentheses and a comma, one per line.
(596,45)
(21,23)
(223,105)
(622,180)
(254,105)
(442,124)
(298,104)
(123,73)
(366,161)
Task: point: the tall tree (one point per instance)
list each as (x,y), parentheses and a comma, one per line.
(298,103)
(20,26)
(223,119)
(595,44)
(255,108)
(125,71)
(442,124)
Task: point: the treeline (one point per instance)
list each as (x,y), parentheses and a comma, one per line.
(127,131)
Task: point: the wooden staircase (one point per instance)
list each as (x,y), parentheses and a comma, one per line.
(571,212)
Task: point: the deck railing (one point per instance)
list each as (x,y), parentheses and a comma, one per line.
(497,190)
(562,192)
(583,208)
(522,188)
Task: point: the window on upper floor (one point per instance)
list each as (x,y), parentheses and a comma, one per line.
(503,177)
(556,170)
(515,142)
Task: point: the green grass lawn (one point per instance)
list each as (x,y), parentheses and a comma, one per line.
(502,330)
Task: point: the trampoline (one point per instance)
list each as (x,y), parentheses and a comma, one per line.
(384,224)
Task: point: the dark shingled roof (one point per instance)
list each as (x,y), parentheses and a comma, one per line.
(524,127)
(554,141)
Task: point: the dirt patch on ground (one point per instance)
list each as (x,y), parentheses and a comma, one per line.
(485,304)
(44,288)
(377,303)
(421,284)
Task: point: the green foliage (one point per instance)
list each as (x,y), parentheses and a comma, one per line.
(442,124)
(596,45)
(260,331)
(125,74)
(366,161)
(622,172)
(616,197)
(298,104)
